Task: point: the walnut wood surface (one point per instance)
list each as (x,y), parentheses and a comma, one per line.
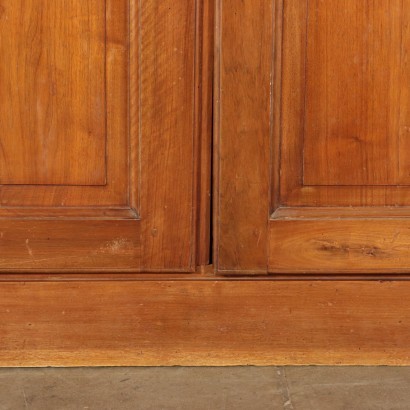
(166,125)
(353,92)
(242,130)
(70,245)
(53,91)
(336,245)
(204,323)
(80,283)
(312,110)
(101,133)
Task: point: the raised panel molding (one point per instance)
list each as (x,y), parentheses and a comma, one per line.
(340,207)
(134,208)
(305,186)
(68,166)
(341,141)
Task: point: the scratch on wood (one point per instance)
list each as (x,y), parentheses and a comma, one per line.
(117,246)
(334,247)
(29,250)
(395,236)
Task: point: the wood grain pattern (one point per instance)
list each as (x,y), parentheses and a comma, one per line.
(292,105)
(333,245)
(404,124)
(243,125)
(333,142)
(116,139)
(33,236)
(145,212)
(70,245)
(167,133)
(343,103)
(204,323)
(53,92)
(295,81)
(353,84)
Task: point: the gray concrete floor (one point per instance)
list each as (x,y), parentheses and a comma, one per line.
(253,388)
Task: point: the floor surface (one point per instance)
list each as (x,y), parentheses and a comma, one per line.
(250,388)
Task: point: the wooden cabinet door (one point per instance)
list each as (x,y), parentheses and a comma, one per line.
(313,137)
(97,135)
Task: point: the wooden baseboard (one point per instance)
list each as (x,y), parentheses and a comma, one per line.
(207,322)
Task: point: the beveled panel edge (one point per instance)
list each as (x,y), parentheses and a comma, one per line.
(294,192)
(72,213)
(337,213)
(17,195)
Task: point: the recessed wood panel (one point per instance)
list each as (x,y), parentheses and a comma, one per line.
(113,189)
(344,71)
(53,98)
(353,83)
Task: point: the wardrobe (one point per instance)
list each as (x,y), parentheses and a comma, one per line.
(194,182)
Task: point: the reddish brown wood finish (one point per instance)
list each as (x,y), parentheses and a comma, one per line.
(204,323)
(312,114)
(53,97)
(104,149)
(352,92)
(243,126)
(167,133)
(113,192)
(204,101)
(145,217)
